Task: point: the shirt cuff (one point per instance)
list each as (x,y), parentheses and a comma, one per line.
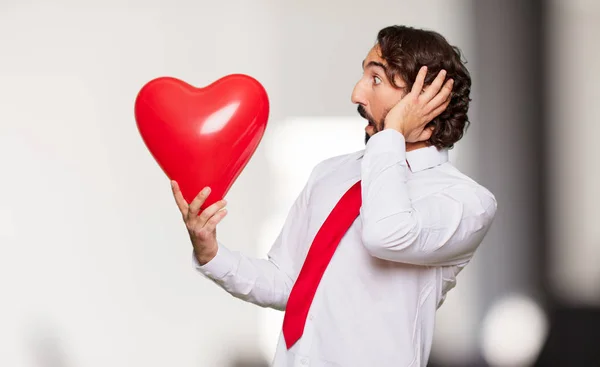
(387,141)
(221,265)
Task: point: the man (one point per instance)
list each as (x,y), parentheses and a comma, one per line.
(419,223)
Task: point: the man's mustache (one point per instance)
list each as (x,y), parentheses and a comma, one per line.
(363,113)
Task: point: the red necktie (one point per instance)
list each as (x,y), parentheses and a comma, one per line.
(324,244)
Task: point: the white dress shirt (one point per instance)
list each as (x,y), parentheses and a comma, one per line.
(419,225)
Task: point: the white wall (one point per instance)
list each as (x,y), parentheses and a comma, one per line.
(95,265)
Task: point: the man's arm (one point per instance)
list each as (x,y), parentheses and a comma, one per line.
(442,229)
(264,282)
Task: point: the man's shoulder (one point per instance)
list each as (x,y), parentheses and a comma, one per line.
(331,163)
(467,186)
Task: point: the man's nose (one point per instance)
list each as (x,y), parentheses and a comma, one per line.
(358,95)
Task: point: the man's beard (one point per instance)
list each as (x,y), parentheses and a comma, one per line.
(377,126)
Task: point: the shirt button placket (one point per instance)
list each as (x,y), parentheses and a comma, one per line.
(301,362)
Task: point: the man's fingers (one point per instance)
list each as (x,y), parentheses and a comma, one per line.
(438,111)
(433,89)
(209,212)
(181,203)
(196,204)
(420,81)
(211,225)
(443,97)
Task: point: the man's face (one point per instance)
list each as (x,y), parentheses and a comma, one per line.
(374,93)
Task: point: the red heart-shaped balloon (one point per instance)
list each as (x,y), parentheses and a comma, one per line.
(202,136)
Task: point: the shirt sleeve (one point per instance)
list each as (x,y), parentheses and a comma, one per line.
(264,282)
(441,229)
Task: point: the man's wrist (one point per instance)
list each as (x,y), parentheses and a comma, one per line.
(386,142)
(204,257)
(398,127)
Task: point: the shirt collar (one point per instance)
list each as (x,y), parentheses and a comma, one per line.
(424,158)
(421,159)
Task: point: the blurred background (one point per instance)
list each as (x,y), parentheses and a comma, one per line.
(95,263)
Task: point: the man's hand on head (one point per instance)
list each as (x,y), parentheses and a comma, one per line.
(420,106)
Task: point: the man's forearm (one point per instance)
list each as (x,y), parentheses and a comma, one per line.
(386,202)
(258,281)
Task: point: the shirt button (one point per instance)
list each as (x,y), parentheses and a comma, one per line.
(304,361)
(311,317)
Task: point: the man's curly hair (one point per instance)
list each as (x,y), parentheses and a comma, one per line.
(406,50)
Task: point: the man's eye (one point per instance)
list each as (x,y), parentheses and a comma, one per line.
(376,80)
